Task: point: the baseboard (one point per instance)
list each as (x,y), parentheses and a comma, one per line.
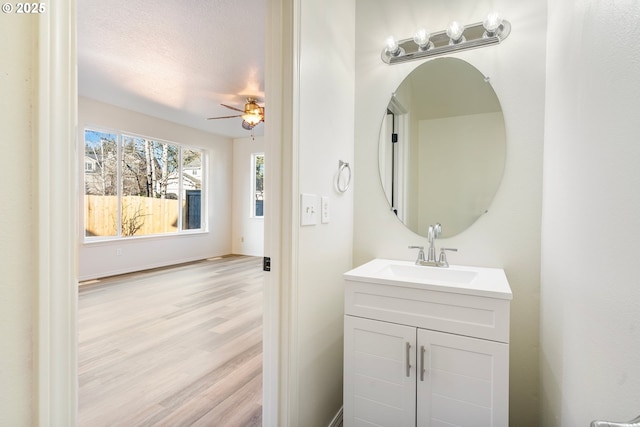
(337,420)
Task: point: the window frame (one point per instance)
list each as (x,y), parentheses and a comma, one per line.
(120,135)
(253,200)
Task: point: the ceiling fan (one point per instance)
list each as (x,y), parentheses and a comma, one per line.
(252,115)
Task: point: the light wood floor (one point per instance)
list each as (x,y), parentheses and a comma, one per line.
(175,347)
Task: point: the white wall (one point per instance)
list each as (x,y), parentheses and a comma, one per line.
(99,259)
(325,123)
(444,154)
(509,235)
(590,311)
(247,231)
(17,221)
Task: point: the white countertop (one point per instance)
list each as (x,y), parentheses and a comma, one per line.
(479,281)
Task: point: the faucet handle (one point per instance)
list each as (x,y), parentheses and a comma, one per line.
(442,259)
(420,253)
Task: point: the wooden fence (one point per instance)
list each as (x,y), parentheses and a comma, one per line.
(140,215)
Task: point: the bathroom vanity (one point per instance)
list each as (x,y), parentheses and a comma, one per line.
(426,346)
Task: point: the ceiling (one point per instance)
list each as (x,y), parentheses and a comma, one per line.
(174,60)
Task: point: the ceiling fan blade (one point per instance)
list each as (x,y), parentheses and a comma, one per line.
(233,108)
(223,117)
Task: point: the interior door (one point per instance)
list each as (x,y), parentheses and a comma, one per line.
(462,381)
(380,373)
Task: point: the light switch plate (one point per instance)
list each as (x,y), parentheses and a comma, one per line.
(324,209)
(309,209)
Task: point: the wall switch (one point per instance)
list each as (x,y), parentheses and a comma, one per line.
(118,251)
(324,209)
(309,209)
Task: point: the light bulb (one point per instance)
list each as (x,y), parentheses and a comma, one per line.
(252,118)
(391,46)
(492,23)
(454,32)
(421,38)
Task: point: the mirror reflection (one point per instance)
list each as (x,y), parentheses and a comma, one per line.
(442,147)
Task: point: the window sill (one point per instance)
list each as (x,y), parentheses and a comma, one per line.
(90,241)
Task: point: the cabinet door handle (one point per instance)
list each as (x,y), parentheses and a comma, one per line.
(408,351)
(422,351)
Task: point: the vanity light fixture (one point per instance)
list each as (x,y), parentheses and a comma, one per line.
(455,32)
(392,48)
(421,38)
(457,36)
(492,24)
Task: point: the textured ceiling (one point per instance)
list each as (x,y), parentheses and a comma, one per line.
(172,59)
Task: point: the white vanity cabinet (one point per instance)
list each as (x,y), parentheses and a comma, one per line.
(419,354)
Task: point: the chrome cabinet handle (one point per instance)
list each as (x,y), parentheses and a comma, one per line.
(408,351)
(422,370)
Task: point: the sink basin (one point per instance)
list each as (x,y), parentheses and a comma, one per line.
(450,275)
(481,281)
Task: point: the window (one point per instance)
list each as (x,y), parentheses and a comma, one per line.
(191,187)
(257,191)
(100,184)
(136,186)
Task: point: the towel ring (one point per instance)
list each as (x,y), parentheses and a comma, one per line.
(342,167)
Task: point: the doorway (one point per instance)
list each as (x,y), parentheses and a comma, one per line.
(137,160)
(57,212)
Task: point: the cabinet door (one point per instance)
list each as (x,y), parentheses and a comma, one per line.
(465,381)
(379,373)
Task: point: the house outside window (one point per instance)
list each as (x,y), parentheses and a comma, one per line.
(89,165)
(137,186)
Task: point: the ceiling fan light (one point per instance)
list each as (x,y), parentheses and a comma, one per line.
(252,118)
(253,113)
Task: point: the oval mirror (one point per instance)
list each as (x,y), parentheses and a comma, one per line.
(442,147)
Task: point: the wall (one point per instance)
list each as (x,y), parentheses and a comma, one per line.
(509,235)
(467,196)
(325,120)
(247,232)
(17,219)
(590,328)
(100,259)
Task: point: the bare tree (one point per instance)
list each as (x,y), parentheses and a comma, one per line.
(132,219)
(164,182)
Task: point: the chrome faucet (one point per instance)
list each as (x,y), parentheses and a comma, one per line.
(433,233)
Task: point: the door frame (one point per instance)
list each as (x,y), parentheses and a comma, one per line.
(55,103)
